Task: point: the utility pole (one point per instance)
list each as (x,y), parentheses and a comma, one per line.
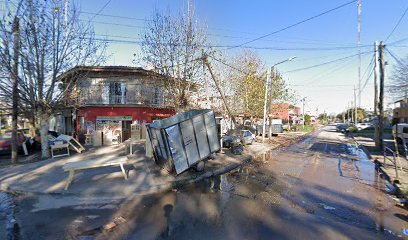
(381,99)
(355,107)
(359,50)
(264,113)
(16,53)
(219,88)
(273,73)
(376,129)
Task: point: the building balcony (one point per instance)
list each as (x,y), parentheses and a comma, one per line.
(143,96)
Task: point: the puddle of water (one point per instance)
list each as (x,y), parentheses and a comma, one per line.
(7,216)
(363,165)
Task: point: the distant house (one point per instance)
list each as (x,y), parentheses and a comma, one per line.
(109,99)
(285,111)
(400,112)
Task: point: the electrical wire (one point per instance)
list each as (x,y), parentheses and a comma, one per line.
(398,23)
(395,57)
(100,10)
(293,25)
(325,63)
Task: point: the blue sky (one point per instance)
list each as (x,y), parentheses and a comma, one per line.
(327,88)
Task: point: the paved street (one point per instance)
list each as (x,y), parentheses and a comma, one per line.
(320,188)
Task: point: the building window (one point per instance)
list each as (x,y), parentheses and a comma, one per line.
(117,93)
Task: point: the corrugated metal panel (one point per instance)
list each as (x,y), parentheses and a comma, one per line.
(188,137)
(201,134)
(190,143)
(177,149)
(211,126)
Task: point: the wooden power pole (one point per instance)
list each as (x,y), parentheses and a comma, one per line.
(219,88)
(16,53)
(376,129)
(381,95)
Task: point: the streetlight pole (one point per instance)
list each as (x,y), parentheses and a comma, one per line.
(270,72)
(264,113)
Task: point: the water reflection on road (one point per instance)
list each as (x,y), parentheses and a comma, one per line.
(295,193)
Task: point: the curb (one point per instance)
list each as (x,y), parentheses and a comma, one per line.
(362,148)
(160,188)
(193,179)
(380,168)
(244,159)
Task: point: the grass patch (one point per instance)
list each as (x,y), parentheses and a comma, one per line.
(307,128)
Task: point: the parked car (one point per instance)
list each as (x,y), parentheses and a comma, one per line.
(342,128)
(5,141)
(243,136)
(361,126)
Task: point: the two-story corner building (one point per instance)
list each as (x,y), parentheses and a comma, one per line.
(106,100)
(400,112)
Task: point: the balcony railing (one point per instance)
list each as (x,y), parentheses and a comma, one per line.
(140,95)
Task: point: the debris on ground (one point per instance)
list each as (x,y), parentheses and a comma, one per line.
(111,225)
(327,207)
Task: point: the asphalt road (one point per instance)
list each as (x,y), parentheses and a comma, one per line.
(320,188)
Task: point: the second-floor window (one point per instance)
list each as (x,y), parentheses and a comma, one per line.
(114,93)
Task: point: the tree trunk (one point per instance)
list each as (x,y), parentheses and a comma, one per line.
(44,126)
(16,39)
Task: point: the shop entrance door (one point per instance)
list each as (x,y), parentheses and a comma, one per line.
(126,130)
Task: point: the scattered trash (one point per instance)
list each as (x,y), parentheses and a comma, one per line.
(400,201)
(327,207)
(405,231)
(111,225)
(237,148)
(174,190)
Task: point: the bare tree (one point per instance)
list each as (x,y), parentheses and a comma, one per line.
(174,47)
(399,85)
(52,40)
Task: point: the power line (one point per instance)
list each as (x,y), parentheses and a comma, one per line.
(325,63)
(393,56)
(114,16)
(398,23)
(367,79)
(293,25)
(139,41)
(327,73)
(100,10)
(371,63)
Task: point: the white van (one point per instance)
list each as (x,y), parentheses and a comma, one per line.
(401,132)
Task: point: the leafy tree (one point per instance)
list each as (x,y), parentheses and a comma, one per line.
(361,114)
(307,119)
(247,83)
(323,117)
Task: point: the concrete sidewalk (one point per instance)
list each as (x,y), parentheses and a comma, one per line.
(386,167)
(48,177)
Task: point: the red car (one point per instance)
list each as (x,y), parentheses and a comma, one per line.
(5,141)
